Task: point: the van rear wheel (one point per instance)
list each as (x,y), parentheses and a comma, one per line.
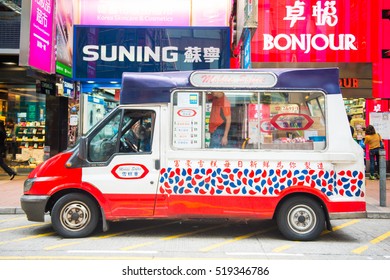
(301,218)
(75,215)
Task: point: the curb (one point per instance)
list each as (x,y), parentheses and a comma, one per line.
(11,210)
(378,215)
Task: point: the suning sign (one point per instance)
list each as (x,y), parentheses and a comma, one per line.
(313,31)
(107,52)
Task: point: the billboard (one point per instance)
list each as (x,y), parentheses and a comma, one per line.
(36,44)
(154,12)
(64,36)
(107,52)
(315,31)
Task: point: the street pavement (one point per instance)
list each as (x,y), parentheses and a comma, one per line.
(11,191)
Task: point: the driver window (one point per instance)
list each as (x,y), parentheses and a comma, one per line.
(103,144)
(136,135)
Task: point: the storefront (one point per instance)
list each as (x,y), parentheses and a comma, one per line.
(25,121)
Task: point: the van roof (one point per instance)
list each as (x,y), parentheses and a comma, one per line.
(156,87)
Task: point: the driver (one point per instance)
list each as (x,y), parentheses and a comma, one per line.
(138,138)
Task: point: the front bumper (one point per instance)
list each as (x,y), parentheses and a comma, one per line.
(34,206)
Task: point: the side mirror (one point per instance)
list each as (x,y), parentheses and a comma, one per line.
(83,148)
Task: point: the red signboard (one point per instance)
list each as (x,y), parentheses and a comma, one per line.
(316,31)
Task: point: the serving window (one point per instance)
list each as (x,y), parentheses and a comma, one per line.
(285,120)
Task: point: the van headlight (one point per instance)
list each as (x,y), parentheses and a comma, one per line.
(28,184)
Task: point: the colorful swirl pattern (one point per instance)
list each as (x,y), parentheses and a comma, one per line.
(258,182)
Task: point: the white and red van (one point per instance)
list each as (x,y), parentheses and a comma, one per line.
(290,155)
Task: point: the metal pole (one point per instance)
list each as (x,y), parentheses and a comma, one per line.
(382,175)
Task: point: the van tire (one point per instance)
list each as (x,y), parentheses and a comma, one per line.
(300,218)
(75,215)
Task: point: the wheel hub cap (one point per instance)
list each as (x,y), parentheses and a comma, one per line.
(302,219)
(75,216)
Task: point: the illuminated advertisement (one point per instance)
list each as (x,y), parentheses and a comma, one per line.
(155,12)
(314,31)
(107,52)
(64,30)
(41,34)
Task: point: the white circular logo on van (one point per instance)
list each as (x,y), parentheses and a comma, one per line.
(130,171)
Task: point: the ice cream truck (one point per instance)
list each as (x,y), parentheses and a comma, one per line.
(288,155)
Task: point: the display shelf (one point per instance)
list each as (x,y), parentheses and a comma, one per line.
(355,107)
(30,138)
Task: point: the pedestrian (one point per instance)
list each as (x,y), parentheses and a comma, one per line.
(350,126)
(373,141)
(3,165)
(10,126)
(220,120)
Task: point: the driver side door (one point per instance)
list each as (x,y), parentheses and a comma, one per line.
(126,155)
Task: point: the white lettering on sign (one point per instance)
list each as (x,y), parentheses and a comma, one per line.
(132,53)
(44,4)
(324,14)
(306,42)
(68,85)
(230,79)
(146,54)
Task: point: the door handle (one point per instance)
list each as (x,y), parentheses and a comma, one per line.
(157,164)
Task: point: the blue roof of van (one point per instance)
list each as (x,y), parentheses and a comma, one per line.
(156,87)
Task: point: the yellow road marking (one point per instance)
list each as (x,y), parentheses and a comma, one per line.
(171,237)
(27,238)
(38,257)
(138,245)
(286,247)
(11,219)
(61,245)
(21,227)
(106,236)
(374,241)
(132,230)
(282,248)
(349,223)
(238,238)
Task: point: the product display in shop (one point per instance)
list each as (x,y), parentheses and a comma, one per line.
(30,136)
(30,140)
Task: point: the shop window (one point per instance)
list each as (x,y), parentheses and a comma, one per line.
(258,120)
(355,109)
(25,127)
(292,120)
(237,106)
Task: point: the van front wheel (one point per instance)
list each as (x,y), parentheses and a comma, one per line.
(75,215)
(301,218)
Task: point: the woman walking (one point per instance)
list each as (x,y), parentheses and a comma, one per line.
(373,140)
(3,165)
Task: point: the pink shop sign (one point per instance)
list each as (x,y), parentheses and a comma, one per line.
(41,35)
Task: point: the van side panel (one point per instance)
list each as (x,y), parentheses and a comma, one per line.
(255,188)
